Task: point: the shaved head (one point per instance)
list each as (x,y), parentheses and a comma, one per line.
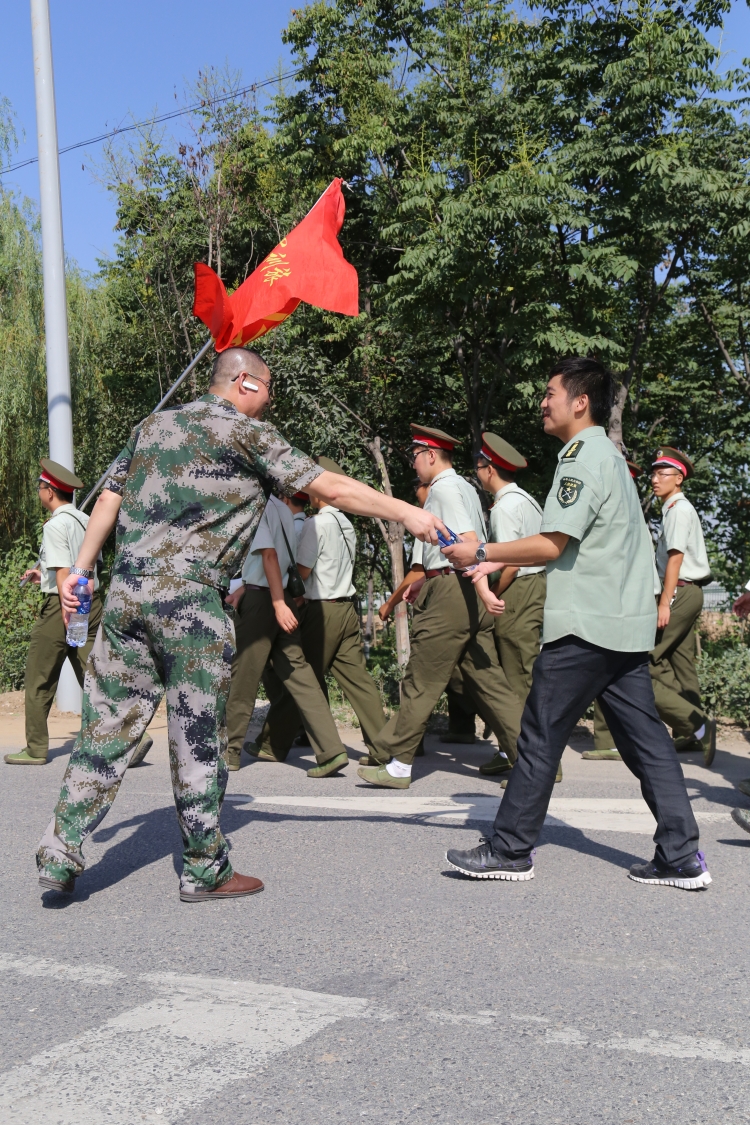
(236,361)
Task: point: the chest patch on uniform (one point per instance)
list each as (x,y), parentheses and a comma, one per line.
(569,491)
(571,453)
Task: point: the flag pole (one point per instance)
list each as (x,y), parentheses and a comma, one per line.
(178,382)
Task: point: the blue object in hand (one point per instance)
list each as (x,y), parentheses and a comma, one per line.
(448,542)
(78,626)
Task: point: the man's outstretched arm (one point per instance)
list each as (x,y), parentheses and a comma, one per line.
(534,550)
(352,496)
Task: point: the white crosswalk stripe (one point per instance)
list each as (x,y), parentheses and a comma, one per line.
(588,814)
(154,1062)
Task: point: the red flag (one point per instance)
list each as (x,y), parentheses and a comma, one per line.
(307,265)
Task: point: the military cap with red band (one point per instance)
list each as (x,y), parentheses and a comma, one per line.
(635,470)
(501,453)
(301,497)
(58,476)
(430,438)
(668,456)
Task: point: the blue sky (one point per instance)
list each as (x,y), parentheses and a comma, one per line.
(113,60)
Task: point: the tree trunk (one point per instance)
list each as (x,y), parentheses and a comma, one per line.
(393,533)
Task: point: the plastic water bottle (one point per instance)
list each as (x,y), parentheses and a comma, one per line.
(78,626)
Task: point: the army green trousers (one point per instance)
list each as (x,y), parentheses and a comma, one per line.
(46,656)
(674,674)
(450,627)
(158,634)
(331,641)
(261,639)
(517,632)
(603,739)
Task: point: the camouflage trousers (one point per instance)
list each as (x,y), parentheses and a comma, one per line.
(157,635)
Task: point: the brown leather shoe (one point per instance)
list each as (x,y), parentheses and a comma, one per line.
(236,887)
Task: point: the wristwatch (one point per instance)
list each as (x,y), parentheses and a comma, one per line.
(81,572)
(481,555)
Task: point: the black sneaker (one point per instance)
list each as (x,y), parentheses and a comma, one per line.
(482,863)
(692,875)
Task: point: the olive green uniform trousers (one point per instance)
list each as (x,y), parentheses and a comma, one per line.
(450,627)
(673,665)
(46,656)
(603,739)
(517,632)
(260,639)
(331,641)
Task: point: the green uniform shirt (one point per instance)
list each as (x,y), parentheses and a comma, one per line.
(515,515)
(601,587)
(681,531)
(269,534)
(328,544)
(191,494)
(454,501)
(62,536)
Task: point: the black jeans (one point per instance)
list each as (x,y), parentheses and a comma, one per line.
(568,675)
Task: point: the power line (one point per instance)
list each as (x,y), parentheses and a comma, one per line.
(155,120)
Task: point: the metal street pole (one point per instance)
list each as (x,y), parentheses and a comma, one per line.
(59,407)
(53,255)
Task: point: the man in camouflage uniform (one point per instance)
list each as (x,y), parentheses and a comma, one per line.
(189,497)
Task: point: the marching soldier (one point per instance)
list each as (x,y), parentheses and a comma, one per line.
(268,633)
(330,630)
(181,537)
(450,625)
(514,515)
(62,536)
(682,563)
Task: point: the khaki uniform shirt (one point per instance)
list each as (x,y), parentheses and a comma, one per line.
(454,501)
(681,531)
(269,534)
(515,515)
(62,536)
(191,491)
(600,589)
(328,544)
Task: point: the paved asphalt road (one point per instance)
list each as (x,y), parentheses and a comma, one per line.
(368,981)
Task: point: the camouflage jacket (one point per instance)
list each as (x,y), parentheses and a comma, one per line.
(191,495)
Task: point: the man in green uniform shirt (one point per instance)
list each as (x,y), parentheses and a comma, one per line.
(187,493)
(682,564)
(599,621)
(330,632)
(62,536)
(450,625)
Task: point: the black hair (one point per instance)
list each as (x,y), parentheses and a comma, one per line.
(66,497)
(582,376)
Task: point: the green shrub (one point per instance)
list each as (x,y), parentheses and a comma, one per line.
(19,607)
(725,683)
